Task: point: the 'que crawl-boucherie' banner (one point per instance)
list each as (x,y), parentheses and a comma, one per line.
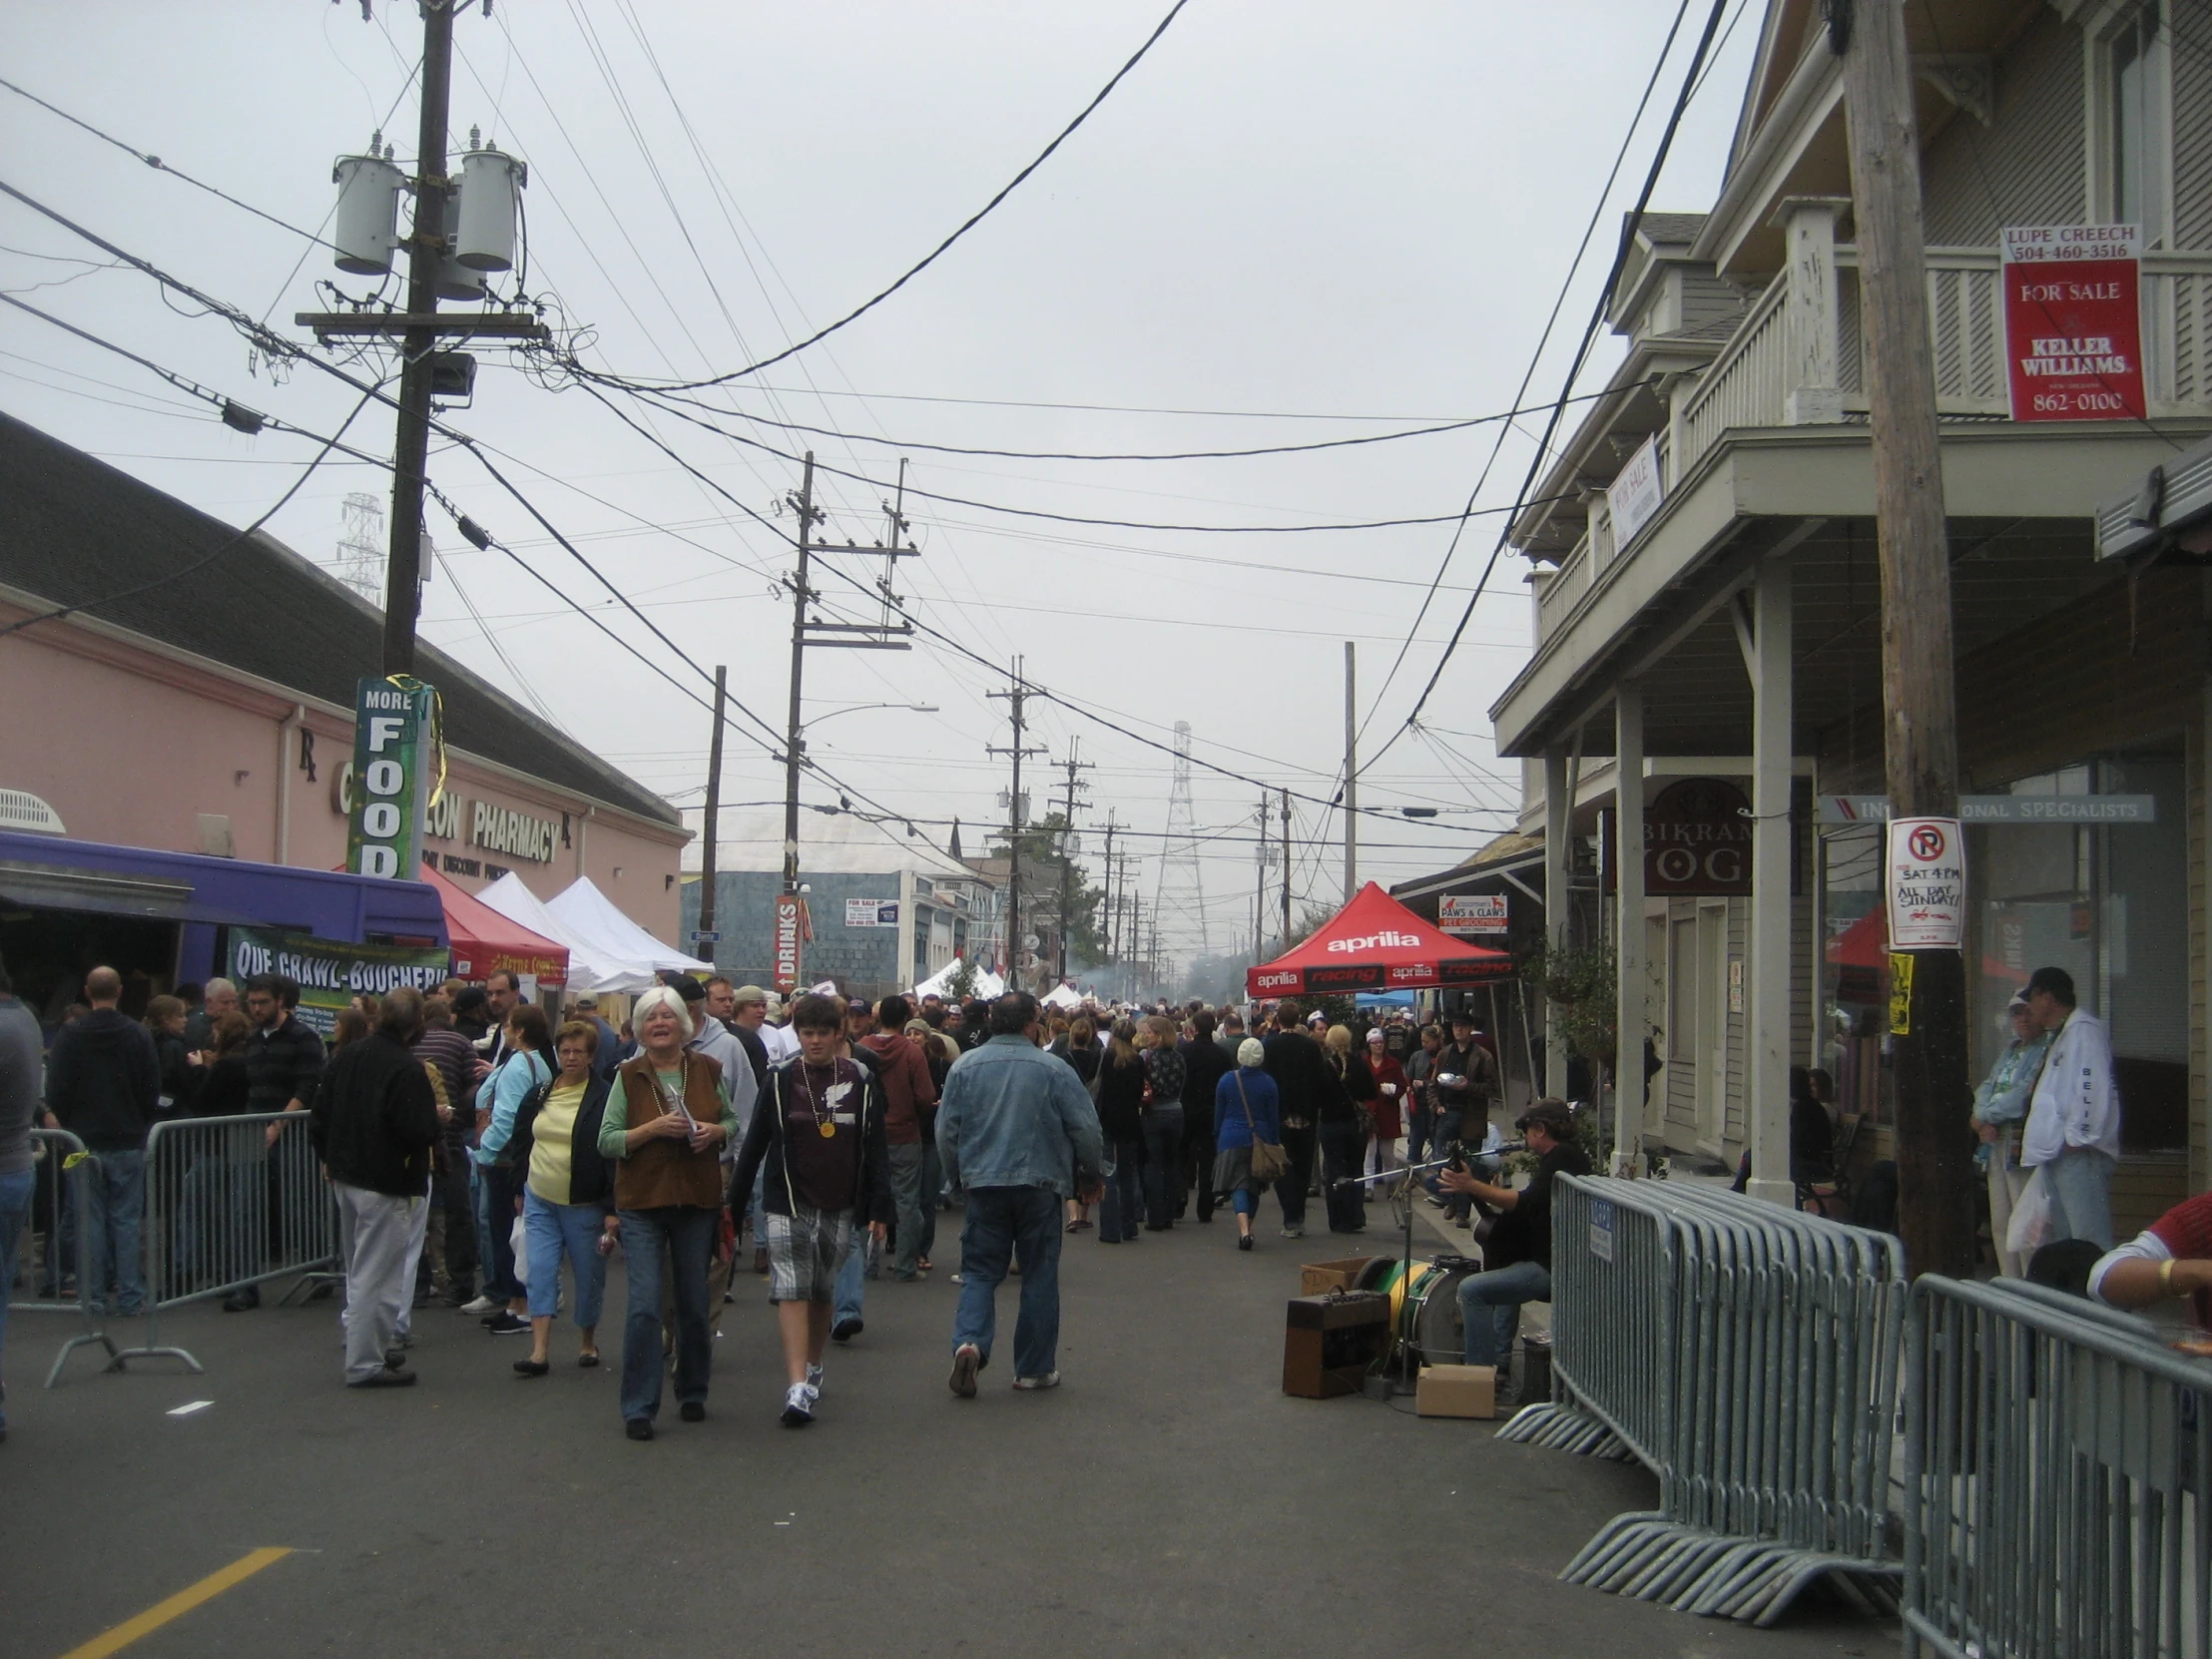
(332,972)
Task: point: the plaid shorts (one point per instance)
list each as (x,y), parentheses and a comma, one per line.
(805,1251)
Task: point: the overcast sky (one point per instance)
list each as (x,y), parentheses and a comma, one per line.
(1291,222)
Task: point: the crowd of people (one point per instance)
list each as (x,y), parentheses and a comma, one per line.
(490,1159)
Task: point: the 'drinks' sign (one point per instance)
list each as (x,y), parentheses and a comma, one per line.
(383,832)
(2073,321)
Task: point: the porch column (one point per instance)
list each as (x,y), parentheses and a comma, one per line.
(1810,379)
(1767,974)
(1558,876)
(1630,1021)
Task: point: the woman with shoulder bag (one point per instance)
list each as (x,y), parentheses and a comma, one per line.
(1248,1131)
(529,1039)
(1119,1091)
(566,1199)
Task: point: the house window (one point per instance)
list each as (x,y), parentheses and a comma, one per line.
(2132,127)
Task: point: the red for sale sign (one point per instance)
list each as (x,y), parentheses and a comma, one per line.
(2073,321)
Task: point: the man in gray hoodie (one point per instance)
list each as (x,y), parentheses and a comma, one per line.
(103,1085)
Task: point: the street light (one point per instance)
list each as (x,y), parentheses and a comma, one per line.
(860,707)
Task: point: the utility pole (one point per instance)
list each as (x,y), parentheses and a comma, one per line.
(1286,870)
(1016,702)
(795,741)
(1921,744)
(425,248)
(713,822)
(1071,765)
(1106,894)
(1352,782)
(1260,890)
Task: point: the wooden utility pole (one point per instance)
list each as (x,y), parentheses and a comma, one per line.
(712,826)
(1352,780)
(1286,870)
(1016,702)
(795,737)
(1071,765)
(1920,729)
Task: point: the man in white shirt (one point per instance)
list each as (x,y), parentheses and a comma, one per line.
(2073,1116)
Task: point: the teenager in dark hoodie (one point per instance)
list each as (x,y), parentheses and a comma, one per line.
(103,1085)
(910,1127)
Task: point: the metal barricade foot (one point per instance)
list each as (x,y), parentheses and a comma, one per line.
(61,1358)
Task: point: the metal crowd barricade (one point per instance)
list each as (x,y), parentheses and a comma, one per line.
(1748,1356)
(226,1208)
(2058,1480)
(59,1219)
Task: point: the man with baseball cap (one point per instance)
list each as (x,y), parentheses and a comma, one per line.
(752,1015)
(1517,1255)
(1999,1108)
(2073,1112)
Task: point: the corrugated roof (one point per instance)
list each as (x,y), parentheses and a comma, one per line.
(74,531)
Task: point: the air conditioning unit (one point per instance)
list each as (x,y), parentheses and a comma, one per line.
(20,809)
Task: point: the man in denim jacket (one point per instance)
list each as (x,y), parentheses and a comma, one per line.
(1017,1129)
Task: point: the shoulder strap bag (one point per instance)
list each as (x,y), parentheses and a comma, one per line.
(1268,1161)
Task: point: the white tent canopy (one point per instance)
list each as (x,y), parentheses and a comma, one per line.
(1062,995)
(987,984)
(590,916)
(589,969)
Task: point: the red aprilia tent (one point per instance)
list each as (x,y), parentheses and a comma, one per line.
(486,943)
(1374,943)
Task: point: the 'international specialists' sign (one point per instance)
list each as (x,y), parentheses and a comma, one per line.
(332,972)
(2073,321)
(790,934)
(1925,874)
(391,755)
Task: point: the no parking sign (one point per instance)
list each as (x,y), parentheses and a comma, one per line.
(1927,880)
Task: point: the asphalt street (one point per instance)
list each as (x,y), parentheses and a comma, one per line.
(1169,1499)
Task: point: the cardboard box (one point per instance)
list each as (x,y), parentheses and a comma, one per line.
(1320,1278)
(1457,1392)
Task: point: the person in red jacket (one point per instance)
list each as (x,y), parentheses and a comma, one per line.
(910,1122)
(1383,1159)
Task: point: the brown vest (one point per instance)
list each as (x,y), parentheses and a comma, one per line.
(661,1173)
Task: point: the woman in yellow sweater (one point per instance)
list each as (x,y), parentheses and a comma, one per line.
(567,1199)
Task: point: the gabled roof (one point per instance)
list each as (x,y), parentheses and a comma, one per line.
(74,531)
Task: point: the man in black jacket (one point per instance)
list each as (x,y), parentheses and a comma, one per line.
(102,1081)
(1205,1064)
(374,1122)
(1518,1256)
(1302,1082)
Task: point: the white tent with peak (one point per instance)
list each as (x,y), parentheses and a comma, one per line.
(1062,995)
(590,916)
(987,984)
(588,969)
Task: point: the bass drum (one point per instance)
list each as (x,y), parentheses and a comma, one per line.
(1371,1277)
(1429,1322)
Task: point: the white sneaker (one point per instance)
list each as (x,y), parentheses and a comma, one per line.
(482,1305)
(1050,1380)
(812,1385)
(799,1406)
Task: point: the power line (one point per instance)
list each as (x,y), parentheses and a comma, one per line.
(1590,333)
(932,256)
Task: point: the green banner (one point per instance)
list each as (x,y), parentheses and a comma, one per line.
(331,971)
(390,795)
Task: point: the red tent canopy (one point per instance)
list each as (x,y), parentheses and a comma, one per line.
(1374,943)
(486,943)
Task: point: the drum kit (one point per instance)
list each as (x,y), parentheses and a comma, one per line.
(1426,1326)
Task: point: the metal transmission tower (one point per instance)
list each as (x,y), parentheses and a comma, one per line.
(1180,897)
(361,549)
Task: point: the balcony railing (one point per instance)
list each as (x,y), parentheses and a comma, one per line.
(1795,360)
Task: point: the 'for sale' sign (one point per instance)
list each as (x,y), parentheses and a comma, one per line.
(2074,323)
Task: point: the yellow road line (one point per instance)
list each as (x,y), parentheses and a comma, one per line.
(183,1602)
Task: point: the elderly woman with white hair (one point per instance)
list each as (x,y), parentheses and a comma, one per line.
(669,1115)
(1247,1109)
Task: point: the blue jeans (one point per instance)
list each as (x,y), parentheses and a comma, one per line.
(1418,1119)
(852,1276)
(16,1188)
(1124,1201)
(1490,1305)
(917,1207)
(571,1230)
(2080,1186)
(1004,1221)
(686,1232)
(115,1209)
(1163,1165)
(497,1187)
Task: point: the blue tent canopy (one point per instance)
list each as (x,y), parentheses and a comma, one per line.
(1383,999)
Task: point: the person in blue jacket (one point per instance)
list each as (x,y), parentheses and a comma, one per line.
(1246,1107)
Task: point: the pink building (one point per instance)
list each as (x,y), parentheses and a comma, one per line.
(201,700)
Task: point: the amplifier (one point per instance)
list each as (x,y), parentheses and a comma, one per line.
(1330,1342)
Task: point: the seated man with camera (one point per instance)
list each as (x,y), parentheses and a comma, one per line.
(1517,1254)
